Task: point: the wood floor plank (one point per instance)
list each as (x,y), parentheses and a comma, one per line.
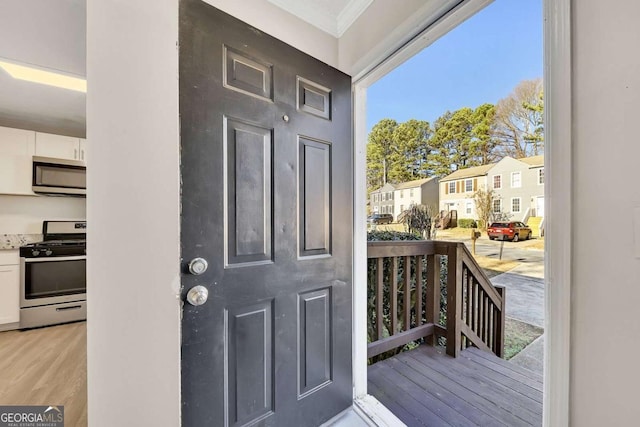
(408,402)
(507,404)
(499,377)
(46,366)
(489,373)
(404,416)
(507,368)
(470,412)
(516,403)
(470,396)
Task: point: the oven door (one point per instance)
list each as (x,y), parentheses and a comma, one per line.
(52,280)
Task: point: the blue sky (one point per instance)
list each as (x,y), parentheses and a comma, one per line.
(480,61)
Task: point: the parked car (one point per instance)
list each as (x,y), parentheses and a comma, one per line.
(380,219)
(509,231)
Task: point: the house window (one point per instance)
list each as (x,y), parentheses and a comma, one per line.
(401,208)
(497,205)
(375,198)
(401,194)
(411,192)
(497,181)
(468,185)
(515,205)
(452,187)
(389,196)
(541,176)
(516,180)
(469,208)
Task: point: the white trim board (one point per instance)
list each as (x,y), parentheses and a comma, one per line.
(558,252)
(402,51)
(558,210)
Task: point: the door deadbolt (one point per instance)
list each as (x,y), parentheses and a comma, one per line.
(197,266)
(197,295)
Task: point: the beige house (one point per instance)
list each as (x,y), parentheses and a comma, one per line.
(456,189)
(418,192)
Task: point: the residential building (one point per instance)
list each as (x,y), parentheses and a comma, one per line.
(381,200)
(457,188)
(519,187)
(418,192)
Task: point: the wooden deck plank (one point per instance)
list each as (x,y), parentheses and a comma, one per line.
(469,390)
(482,382)
(504,402)
(500,378)
(458,404)
(473,398)
(405,399)
(398,411)
(474,352)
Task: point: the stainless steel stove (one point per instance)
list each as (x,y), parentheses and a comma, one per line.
(53,276)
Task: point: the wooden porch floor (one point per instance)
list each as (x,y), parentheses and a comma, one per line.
(426,387)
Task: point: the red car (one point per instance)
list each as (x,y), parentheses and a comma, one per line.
(509,231)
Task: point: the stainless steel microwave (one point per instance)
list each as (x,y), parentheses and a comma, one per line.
(59,177)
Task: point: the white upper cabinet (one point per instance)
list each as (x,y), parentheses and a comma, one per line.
(83,149)
(58,146)
(17,148)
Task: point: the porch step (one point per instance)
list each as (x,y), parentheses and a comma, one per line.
(534,223)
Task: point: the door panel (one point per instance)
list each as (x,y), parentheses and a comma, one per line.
(248,197)
(266,168)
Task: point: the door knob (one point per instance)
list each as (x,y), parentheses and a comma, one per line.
(197,295)
(197,266)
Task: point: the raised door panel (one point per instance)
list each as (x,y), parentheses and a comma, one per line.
(9,294)
(17,148)
(57,146)
(315,336)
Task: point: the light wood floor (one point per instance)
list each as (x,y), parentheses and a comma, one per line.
(46,366)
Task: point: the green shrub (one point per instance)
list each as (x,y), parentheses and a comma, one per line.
(376,235)
(467,223)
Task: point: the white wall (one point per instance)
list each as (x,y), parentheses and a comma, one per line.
(133,208)
(24,214)
(605,286)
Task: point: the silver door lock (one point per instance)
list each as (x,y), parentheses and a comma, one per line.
(197,266)
(197,295)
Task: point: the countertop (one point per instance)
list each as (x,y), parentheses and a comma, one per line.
(14,241)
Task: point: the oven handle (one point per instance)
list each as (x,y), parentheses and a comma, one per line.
(57,258)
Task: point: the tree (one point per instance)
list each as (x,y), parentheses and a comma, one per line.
(419,220)
(483,199)
(379,151)
(519,124)
(463,139)
(410,151)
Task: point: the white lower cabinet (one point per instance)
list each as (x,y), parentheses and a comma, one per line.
(9,287)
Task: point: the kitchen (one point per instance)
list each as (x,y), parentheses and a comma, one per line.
(43,158)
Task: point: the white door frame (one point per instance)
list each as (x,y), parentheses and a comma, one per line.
(557,88)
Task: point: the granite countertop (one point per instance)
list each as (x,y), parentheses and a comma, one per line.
(14,241)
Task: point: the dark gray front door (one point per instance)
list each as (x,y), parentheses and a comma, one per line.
(266,200)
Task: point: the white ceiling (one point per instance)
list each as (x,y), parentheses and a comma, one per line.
(50,34)
(331,16)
